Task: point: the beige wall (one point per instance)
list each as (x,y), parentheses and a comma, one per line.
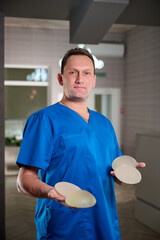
(31,46)
(137,74)
(42,47)
(141,85)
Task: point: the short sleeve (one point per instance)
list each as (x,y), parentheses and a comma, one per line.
(37,144)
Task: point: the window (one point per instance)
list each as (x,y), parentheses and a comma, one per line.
(25,93)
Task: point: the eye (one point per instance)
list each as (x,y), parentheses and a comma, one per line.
(72,73)
(87,73)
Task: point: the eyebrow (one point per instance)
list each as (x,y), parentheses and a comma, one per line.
(87,69)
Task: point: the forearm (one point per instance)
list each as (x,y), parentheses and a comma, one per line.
(29,183)
(33,186)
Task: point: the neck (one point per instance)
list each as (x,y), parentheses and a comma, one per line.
(75,105)
(78,107)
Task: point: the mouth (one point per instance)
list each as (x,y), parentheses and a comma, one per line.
(80,87)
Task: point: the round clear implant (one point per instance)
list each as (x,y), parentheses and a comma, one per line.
(80,199)
(125,170)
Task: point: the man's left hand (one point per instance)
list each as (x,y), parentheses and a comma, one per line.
(139,165)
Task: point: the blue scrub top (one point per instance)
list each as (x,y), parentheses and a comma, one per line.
(66,148)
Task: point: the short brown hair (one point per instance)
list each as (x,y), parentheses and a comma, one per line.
(76,51)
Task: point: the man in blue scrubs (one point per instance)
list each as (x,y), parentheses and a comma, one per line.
(69,142)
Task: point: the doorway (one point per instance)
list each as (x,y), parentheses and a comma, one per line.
(107,102)
(26,90)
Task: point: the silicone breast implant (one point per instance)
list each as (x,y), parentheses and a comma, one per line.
(125,170)
(75,197)
(65,188)
(80,199)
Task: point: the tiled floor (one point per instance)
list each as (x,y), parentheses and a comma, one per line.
(131,229)
(20,215)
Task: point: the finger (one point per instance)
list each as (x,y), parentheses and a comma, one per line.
(115,178)
(140,165)
(53,194)
(112,173)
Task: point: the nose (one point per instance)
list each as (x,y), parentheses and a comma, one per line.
(79,78)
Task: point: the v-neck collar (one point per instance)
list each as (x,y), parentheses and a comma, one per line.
(78,115)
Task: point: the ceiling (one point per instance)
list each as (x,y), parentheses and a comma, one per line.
(56,24)
(87,20)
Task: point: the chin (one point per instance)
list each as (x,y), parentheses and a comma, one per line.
(78,98)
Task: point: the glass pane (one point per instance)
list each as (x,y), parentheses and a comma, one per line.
(98,103)
(20,103)
(103,104)
(21,74)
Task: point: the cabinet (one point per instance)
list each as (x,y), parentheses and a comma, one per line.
(147,208)
(11,154)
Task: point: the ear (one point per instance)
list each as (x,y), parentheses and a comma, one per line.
(60,79)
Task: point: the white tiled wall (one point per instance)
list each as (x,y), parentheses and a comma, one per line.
(141,85)
(31,46)
(138,74)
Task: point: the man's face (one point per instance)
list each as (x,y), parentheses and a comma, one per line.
(78,77)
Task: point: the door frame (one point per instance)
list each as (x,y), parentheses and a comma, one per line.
(115,106)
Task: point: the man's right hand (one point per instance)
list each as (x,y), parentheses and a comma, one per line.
(53,194)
